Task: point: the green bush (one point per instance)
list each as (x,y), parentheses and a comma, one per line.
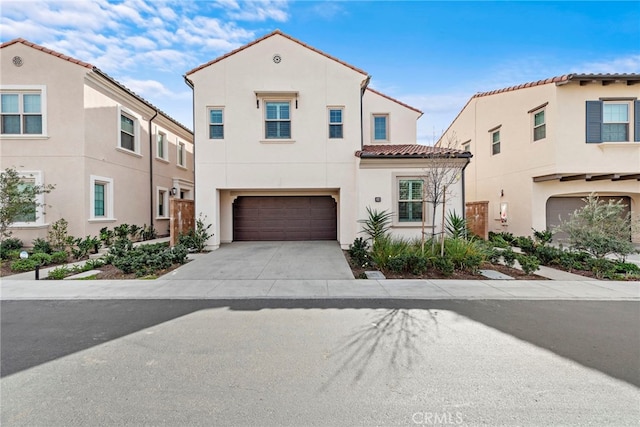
(384,248)
(42,246)
(529,263)
(8,246)
(41,258)
(146,259)
(509,257)
(59,257)
(445,265)
(196,239)
(22,265)
(58,237)
(465,254)
(416,264)
(397,264)
(527,244)
(59,273)
(359,252)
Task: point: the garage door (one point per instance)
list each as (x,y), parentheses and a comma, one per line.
(284,218)
(559,209)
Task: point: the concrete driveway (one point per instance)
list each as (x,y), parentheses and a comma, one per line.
(268,260)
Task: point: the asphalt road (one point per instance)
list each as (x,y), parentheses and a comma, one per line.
(325,362)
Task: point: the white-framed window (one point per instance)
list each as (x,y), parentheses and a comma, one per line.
(128,131)
(615,121)
(381,127)
(216,123)
(35,214)
(539,123)
(466,146)
(101,198)
(181,155)
(162,151)
(495,142)
(23,111)
(162,202)
(277,120)
(410,200)
(336,122)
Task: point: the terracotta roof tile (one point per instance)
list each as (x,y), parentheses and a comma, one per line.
(46,50)
(273,33)
(408,151)
(395,100)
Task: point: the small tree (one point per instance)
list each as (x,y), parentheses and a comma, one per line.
(377,224)
(600,228)
(17,199)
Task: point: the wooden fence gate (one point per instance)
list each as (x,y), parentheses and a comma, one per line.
(183,218)
(477,214)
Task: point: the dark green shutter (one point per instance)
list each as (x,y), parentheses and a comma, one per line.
(594,121)
(636,121)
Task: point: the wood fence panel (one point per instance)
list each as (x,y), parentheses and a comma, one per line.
(183,217)
(477,214)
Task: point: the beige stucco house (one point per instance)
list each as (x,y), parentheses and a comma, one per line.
(113,157)
(540,147)
(293,145)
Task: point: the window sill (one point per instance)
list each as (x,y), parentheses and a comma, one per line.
(277,141)
(129,152)
(27,225)
(22,137)
(601,145)
(160,159)
(162,218)
(410,225)
(96,220)
(182,167)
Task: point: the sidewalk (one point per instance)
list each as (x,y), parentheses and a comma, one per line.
(319,289)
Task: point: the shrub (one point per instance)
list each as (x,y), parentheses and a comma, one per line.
(416,264)
(445,265)
(509,257)
(59,273)
(397,264)
(145,259)
(58,236)
(21,265)
(377,225)
(148,232)
(84,246)
(134,232)
(9,245)
(527,244)
(542,237)
(359,252)
(106,236)
(503,236)
(42,246)
(465,255)
(41,258)
(121,231)
(456,226)
(384,248)
(196,239)
(59,257)
(529,263)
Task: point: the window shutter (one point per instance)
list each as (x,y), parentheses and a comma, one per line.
(594,121)
(636,121)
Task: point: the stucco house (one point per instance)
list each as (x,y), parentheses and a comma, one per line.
(113,157)
(540,147)
(293,145)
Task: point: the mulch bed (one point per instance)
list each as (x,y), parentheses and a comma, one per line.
(358,272)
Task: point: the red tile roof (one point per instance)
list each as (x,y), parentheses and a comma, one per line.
(46,50)
(395,100)
(408,151)
(276,32)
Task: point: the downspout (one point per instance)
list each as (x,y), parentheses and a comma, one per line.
(151,170)
(363,87)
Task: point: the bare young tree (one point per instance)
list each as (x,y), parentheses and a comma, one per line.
(444,170)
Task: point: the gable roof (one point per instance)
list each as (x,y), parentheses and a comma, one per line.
(273,33)
(409,151)
(97,71)
(395,100)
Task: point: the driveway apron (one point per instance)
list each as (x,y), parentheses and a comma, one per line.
(310,260)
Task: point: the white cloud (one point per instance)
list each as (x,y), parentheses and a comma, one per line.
(625,64)
(260,10)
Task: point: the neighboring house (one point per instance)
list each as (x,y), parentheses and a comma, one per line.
(540,147)
(292,145)
(113,157)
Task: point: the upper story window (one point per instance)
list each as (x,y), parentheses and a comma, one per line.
(216,123)
(182,155)
(495,142)
(613,121)
(381,127)
(161,146)
(410,200)
(277,120)
(539,125)
(466,146)
(22,112)
(335,123)
(128,131)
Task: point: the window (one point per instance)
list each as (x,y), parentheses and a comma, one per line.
(127,133)
(22,113)
(29,215)
(216,124)
(380,127)
(161,146)
(277,120)
(466,146)
(612,121)
(495,142)
(539,126)
(335,123)
(615,122)
(163,203)
(410,200)
(33,214)
(101,202)
(182,155)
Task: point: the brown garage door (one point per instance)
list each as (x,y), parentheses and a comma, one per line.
(559,209)
(284,218)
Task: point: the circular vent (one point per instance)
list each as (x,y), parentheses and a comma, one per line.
(17,61)
(277,58)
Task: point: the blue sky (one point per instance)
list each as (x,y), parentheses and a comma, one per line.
(431,55)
